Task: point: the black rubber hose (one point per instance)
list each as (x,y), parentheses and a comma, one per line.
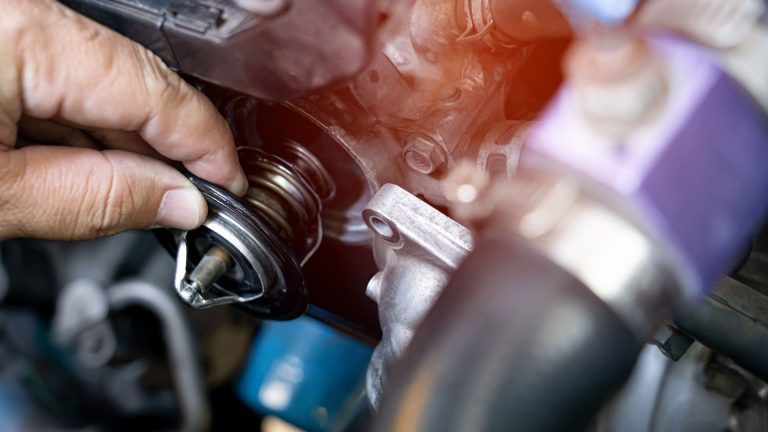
(515,343)
(731,321)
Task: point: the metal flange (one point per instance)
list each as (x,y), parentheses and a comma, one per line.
(264,276)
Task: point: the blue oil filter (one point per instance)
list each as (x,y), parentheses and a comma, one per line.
(306,373)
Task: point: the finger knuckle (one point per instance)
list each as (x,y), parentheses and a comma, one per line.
(14,27)
(37,62)
(108,209)
(12,171)
(12,201)
(160,82)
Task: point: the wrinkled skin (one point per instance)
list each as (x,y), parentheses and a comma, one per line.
(88,122)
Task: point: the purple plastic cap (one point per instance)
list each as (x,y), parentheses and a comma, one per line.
(696,173)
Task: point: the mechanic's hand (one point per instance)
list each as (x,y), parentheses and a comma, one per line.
(99,89)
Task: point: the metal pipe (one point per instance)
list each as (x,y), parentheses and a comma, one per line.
(187,374)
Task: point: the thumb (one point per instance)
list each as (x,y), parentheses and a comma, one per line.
(66,193)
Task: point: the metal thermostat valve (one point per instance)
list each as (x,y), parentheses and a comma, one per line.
(264,276)
(286,191)
(250,250)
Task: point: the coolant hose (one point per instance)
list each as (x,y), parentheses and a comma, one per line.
(515,343)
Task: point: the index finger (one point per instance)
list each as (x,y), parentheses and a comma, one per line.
(75,69)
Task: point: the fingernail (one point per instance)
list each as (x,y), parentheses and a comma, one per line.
(181,208)
(240,185)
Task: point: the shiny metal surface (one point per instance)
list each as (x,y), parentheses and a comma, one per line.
(198,296)
(214,264)
(284,198)
(286,193)
(265,275)
(623,265)
(416,248)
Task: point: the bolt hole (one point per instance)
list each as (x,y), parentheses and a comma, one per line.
(381,227)
(419,162)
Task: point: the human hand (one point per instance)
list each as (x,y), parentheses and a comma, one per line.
(67,80)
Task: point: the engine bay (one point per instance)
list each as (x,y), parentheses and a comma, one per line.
(462,215)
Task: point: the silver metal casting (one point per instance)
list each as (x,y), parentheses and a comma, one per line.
(416,249)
